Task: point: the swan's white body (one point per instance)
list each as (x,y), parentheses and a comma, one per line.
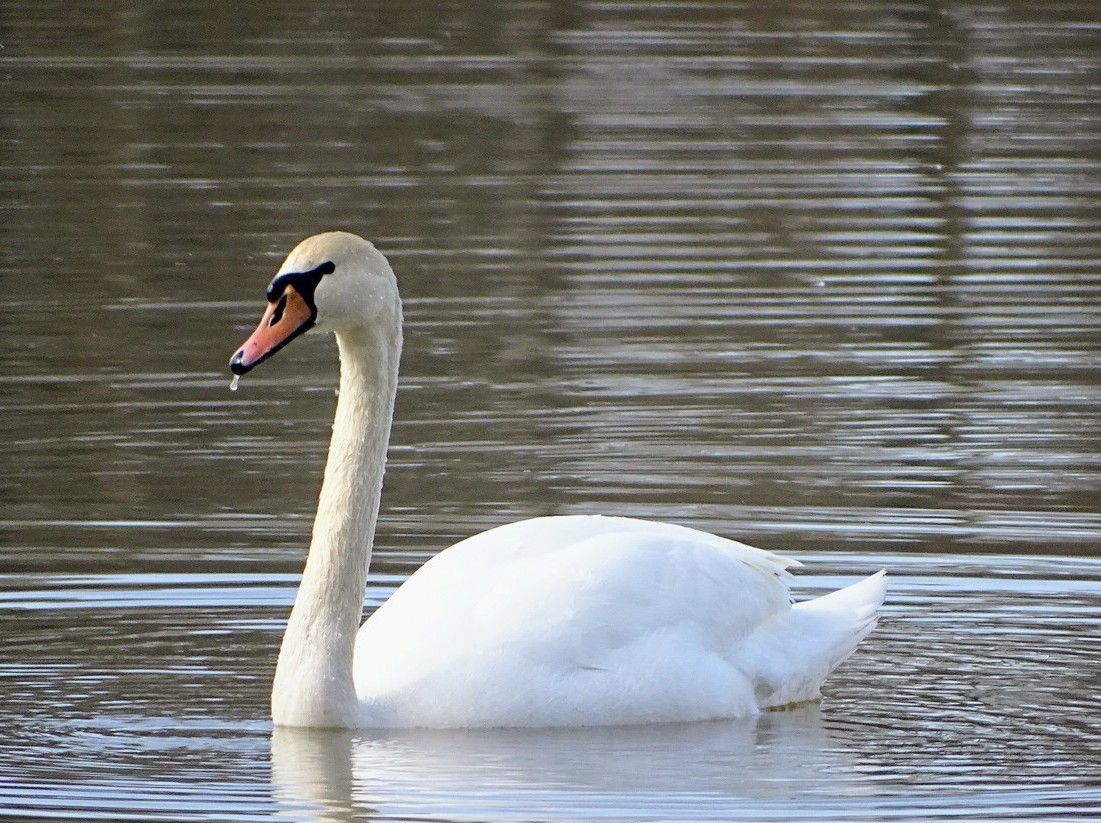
(557,621)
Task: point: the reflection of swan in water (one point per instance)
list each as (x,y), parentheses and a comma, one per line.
(712,771)
(557,621)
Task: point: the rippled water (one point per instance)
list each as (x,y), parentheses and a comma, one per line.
(822,279)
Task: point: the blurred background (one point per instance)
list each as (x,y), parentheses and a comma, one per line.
(820,277)
(803,270)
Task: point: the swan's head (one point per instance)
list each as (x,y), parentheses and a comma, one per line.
(331,282)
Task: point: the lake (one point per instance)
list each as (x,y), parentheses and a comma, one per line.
(824,280)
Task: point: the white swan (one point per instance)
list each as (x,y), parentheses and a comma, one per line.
(555,621)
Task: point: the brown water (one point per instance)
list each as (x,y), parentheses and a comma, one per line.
(827,280)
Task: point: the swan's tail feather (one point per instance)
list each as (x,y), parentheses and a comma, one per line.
(789,659)
(856,606)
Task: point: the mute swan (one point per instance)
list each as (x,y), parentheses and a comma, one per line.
(554,621)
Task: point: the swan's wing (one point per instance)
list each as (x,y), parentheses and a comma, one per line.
(541,535)
(555,616)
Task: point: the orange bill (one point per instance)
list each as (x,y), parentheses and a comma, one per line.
(284,319)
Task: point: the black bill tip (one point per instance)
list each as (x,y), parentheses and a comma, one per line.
(237,363)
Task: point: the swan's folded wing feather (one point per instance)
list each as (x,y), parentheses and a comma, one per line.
(589,610)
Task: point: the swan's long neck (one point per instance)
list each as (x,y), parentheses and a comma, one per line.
(313,679)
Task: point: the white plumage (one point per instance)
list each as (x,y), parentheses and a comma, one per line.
(555,621)
(590,620)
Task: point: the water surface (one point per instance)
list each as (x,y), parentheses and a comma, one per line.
(823,280)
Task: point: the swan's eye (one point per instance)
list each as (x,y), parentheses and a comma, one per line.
(277,315)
